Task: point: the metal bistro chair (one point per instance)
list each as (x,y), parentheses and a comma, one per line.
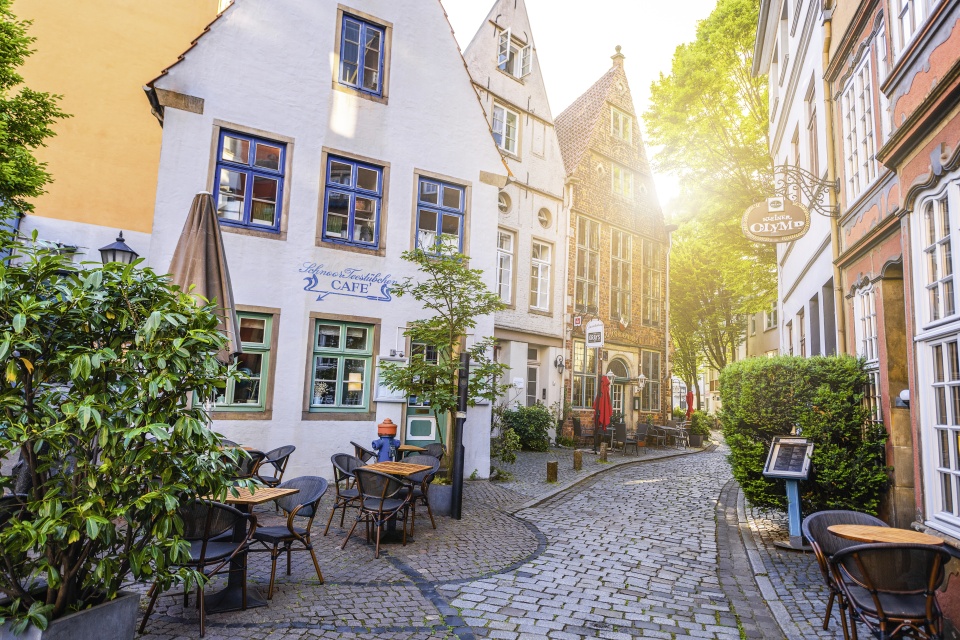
(381,499)
(619,435)
(681,438)
(274,463)
(204,525)
(419,486)
(247,463)
(365,455)
(634,440)
(303,505)
(815,528)
(344,465)
(656,435)
(436,450)
(891,588)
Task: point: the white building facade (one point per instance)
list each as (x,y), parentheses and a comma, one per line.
(532,223)
(328,157)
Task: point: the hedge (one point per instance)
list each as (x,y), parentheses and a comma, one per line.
(823,396)
(532,425)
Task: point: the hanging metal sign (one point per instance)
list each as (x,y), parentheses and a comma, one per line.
(775,220)
(594,334)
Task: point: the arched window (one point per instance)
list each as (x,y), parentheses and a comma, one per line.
(618,390)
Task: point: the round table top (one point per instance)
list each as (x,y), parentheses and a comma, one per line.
(868,533)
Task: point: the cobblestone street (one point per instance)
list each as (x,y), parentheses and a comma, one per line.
(655,546)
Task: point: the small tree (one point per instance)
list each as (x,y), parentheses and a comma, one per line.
(457,296)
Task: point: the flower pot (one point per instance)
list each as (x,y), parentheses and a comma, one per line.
(696,440)
(441,499)
(113,620)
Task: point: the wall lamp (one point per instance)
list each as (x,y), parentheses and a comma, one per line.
(559,364)
(118,252)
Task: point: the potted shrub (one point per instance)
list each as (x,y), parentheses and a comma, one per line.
(101,367)
(699,428)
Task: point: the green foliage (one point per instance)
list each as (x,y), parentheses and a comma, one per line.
(457,296)
(823,396)
(700,423)
(531,424)
(505,445)
(563,441)
(100,366)
(679,414)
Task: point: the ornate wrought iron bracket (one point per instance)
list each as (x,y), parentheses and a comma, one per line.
(791,181)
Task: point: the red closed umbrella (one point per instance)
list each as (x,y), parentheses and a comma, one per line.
(689,404)
(602,407)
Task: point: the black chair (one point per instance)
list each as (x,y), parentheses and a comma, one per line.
(365,455)
(274,463)
(204,525)
(891,588)
(815,529)
(578,438)
(247,462)
(344,465)
(382,499)
(419,486)
(656,435)
(634,440)
(436,450)
(619,435)
(303,505)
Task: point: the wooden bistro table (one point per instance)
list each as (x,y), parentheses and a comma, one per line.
(867,533)
(404,449)
(231,598)
(397,470)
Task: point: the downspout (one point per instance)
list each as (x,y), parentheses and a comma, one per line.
(670,228)
(833,194)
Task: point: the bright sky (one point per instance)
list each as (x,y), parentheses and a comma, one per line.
(575,40)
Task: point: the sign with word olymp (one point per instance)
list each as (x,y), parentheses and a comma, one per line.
(328,280)
(594,333)
(775,220)
(789,458)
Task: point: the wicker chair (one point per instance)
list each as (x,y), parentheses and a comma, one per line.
(891,588)
(365,455)
(436,450)
(344,465)
(302,504)
(619,435)
(634,440)
(204,527)
(382,499)
(815,529)
(271,468)
(247,462)
(419,487)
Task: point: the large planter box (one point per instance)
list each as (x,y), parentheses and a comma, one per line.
(441,499)
(113,620)
(696,440)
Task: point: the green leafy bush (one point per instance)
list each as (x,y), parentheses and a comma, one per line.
(679,414)
(505,445)
(823,396)
(532,426)
(700,423)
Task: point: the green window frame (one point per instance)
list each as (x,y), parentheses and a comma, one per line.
(342,363)
(250,393)
(584,375)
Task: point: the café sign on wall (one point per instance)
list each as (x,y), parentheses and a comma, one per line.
(775,220)
(329,280)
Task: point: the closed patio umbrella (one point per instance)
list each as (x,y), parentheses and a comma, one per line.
(199,260)
(689,404)
(602,409)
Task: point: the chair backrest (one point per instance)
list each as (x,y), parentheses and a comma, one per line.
(365,455)
(203,520)
(893,568)
(436,450)
(344,465)
(815,528)
(248,462)
(311,489)
(278,457)
(642,430)
(423,459)
(577,427)
(376,485)
(620,431)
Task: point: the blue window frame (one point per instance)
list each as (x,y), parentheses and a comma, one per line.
(440,207)
(351,205)
(361,55)
(249,181)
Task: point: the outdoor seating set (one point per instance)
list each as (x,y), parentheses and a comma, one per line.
(643,436)
(222,534)
(880,576)
(383,493)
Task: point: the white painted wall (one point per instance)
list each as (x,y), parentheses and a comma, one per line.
(268,64)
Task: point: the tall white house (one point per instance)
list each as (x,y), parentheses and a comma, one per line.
(331,146)
(531,224)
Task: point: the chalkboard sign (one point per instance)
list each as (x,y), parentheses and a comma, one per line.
(789,458)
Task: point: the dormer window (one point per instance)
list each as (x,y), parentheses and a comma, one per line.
(512,57)
(621,125)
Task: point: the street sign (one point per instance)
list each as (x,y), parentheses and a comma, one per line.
(594,334)
(775,220)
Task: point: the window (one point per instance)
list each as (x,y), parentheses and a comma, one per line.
(813,145)
(513,58)
(802,329)
(361,55)
(429,355)
(858,138)
(249,181)
(883,69)
(753,325)
(351,206)
(789,328)
(865,314)
(505,266)
(532,386)
(342,353)
(652,284)
(770,319)
(944,374)
(584,374)
(621,124)
(540,276)
(622,181)
(650,366)
(938,256)
(249,394)
(588,265)
(440,217)
(908,15)
(505,128)
(621,280)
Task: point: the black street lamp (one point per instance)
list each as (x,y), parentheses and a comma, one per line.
(118,252)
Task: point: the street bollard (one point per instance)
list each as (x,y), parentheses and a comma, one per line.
(577,460)
(603,452)
(552,471)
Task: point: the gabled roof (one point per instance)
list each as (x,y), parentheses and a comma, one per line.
(576,124)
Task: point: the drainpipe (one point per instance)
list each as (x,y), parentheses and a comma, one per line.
(832,194)
(670,228)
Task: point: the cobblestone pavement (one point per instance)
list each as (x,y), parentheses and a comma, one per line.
(655,546)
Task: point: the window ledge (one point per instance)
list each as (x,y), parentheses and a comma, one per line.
(510,75)
(339,416)
(352,248)
(372,97)
(254,233)
(541,312)
(241,415)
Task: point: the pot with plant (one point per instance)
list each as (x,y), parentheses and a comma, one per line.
(105,370)
(699,428)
